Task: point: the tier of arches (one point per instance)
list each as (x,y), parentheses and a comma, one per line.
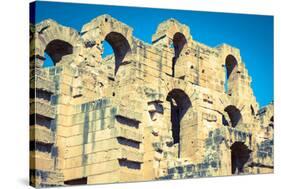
(180,104)
(54,41)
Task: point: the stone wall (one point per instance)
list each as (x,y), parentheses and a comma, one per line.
(175,108)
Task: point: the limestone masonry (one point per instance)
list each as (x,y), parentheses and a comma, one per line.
(172,109)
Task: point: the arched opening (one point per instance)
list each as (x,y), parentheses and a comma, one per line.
(240,155)
(234,115)
(230,65)
(55,50)
(120,46)
(179,41)
(180,103)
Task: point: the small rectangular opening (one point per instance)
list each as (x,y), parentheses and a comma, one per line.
(79,181)
(41,94)
(127,121)
(129,164)
(36,119)
(128,142)
(40,146)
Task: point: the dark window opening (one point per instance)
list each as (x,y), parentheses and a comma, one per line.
(234,115)
(127,121)
(240,155)
(230,65)
(180,103)
(40,146)
(129,164)
(79,181)
(128,142)
(41,94)
(179,41)
(36,119)
(120,47)
(55,50)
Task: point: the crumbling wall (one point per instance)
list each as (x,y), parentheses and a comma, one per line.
(175,108)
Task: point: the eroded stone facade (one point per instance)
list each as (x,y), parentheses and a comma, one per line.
(174,108)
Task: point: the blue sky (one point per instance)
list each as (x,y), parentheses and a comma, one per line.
(252,34)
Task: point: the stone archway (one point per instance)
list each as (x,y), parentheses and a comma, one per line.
(56,49)
(179,42)
(180,104)
(234,115)
(117,34)
(230,70)
(166,31)
(240,156)
(55,40)
(171,33)
(120,47)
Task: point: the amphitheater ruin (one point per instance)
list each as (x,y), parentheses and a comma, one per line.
(172,109)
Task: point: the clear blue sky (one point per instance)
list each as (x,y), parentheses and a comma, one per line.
(252,34)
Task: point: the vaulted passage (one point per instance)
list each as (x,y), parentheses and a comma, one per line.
(55,50)
(120,46)
(234,115)
(180,103)
(230,65)
(240,155)
(179,41)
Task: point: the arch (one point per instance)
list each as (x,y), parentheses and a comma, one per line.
(117,34)
(169,84)
(56,49)
(120,46)
(172,33)
(240,155)
(166,31)
(179,41)
(180,104)
(234,115)
(230,66)
(55,40)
